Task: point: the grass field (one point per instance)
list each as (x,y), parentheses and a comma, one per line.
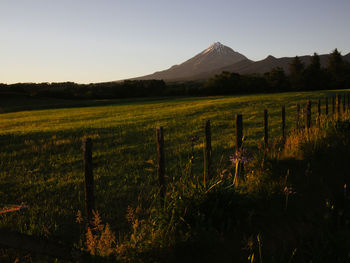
(41,155)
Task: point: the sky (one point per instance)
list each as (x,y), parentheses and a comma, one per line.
(105,40)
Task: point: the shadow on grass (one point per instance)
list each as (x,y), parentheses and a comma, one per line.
(16,102)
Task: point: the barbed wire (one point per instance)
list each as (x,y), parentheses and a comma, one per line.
(14,208)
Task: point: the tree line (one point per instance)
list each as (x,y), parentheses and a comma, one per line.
(336,75)
(300,78)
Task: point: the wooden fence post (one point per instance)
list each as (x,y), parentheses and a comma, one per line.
(239,141)
(338,105)
(161,164)
(89,179)
(298,117)
(319,108)
(284,123)
(319,113)
(344,109)
(207,151)
(308,115)
(333,105)
(266,129)
(327,106)
(239,131)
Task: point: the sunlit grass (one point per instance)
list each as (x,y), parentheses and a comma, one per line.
(41,155)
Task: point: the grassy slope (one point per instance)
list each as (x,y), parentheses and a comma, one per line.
(41,158)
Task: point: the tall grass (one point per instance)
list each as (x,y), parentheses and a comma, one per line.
(289,186)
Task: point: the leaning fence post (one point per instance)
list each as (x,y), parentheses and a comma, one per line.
(326,106)
(161,164)
(89,179)
(308,115)
(207,151)
(298,117)
(283,122)
(266,130)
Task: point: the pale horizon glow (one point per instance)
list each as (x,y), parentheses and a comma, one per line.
(97,41)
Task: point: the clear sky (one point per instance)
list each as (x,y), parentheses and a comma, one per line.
(103,40)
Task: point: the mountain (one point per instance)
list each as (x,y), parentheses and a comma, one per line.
(215,56)
(218,58)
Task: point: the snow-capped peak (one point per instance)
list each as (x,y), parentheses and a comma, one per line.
(216,46)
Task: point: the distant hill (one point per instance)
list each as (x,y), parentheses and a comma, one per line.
(347,57)
(218,58)
(270,62)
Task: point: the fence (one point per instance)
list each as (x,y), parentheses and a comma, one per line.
(207,149)
(339,106)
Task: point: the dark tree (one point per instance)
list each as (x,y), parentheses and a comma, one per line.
(335,62)
(296,69)
(314,75)
(277,79)
(225,83)
(336,68)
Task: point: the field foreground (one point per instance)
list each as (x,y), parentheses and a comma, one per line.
(41,164)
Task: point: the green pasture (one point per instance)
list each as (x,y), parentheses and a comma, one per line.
(41,153)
